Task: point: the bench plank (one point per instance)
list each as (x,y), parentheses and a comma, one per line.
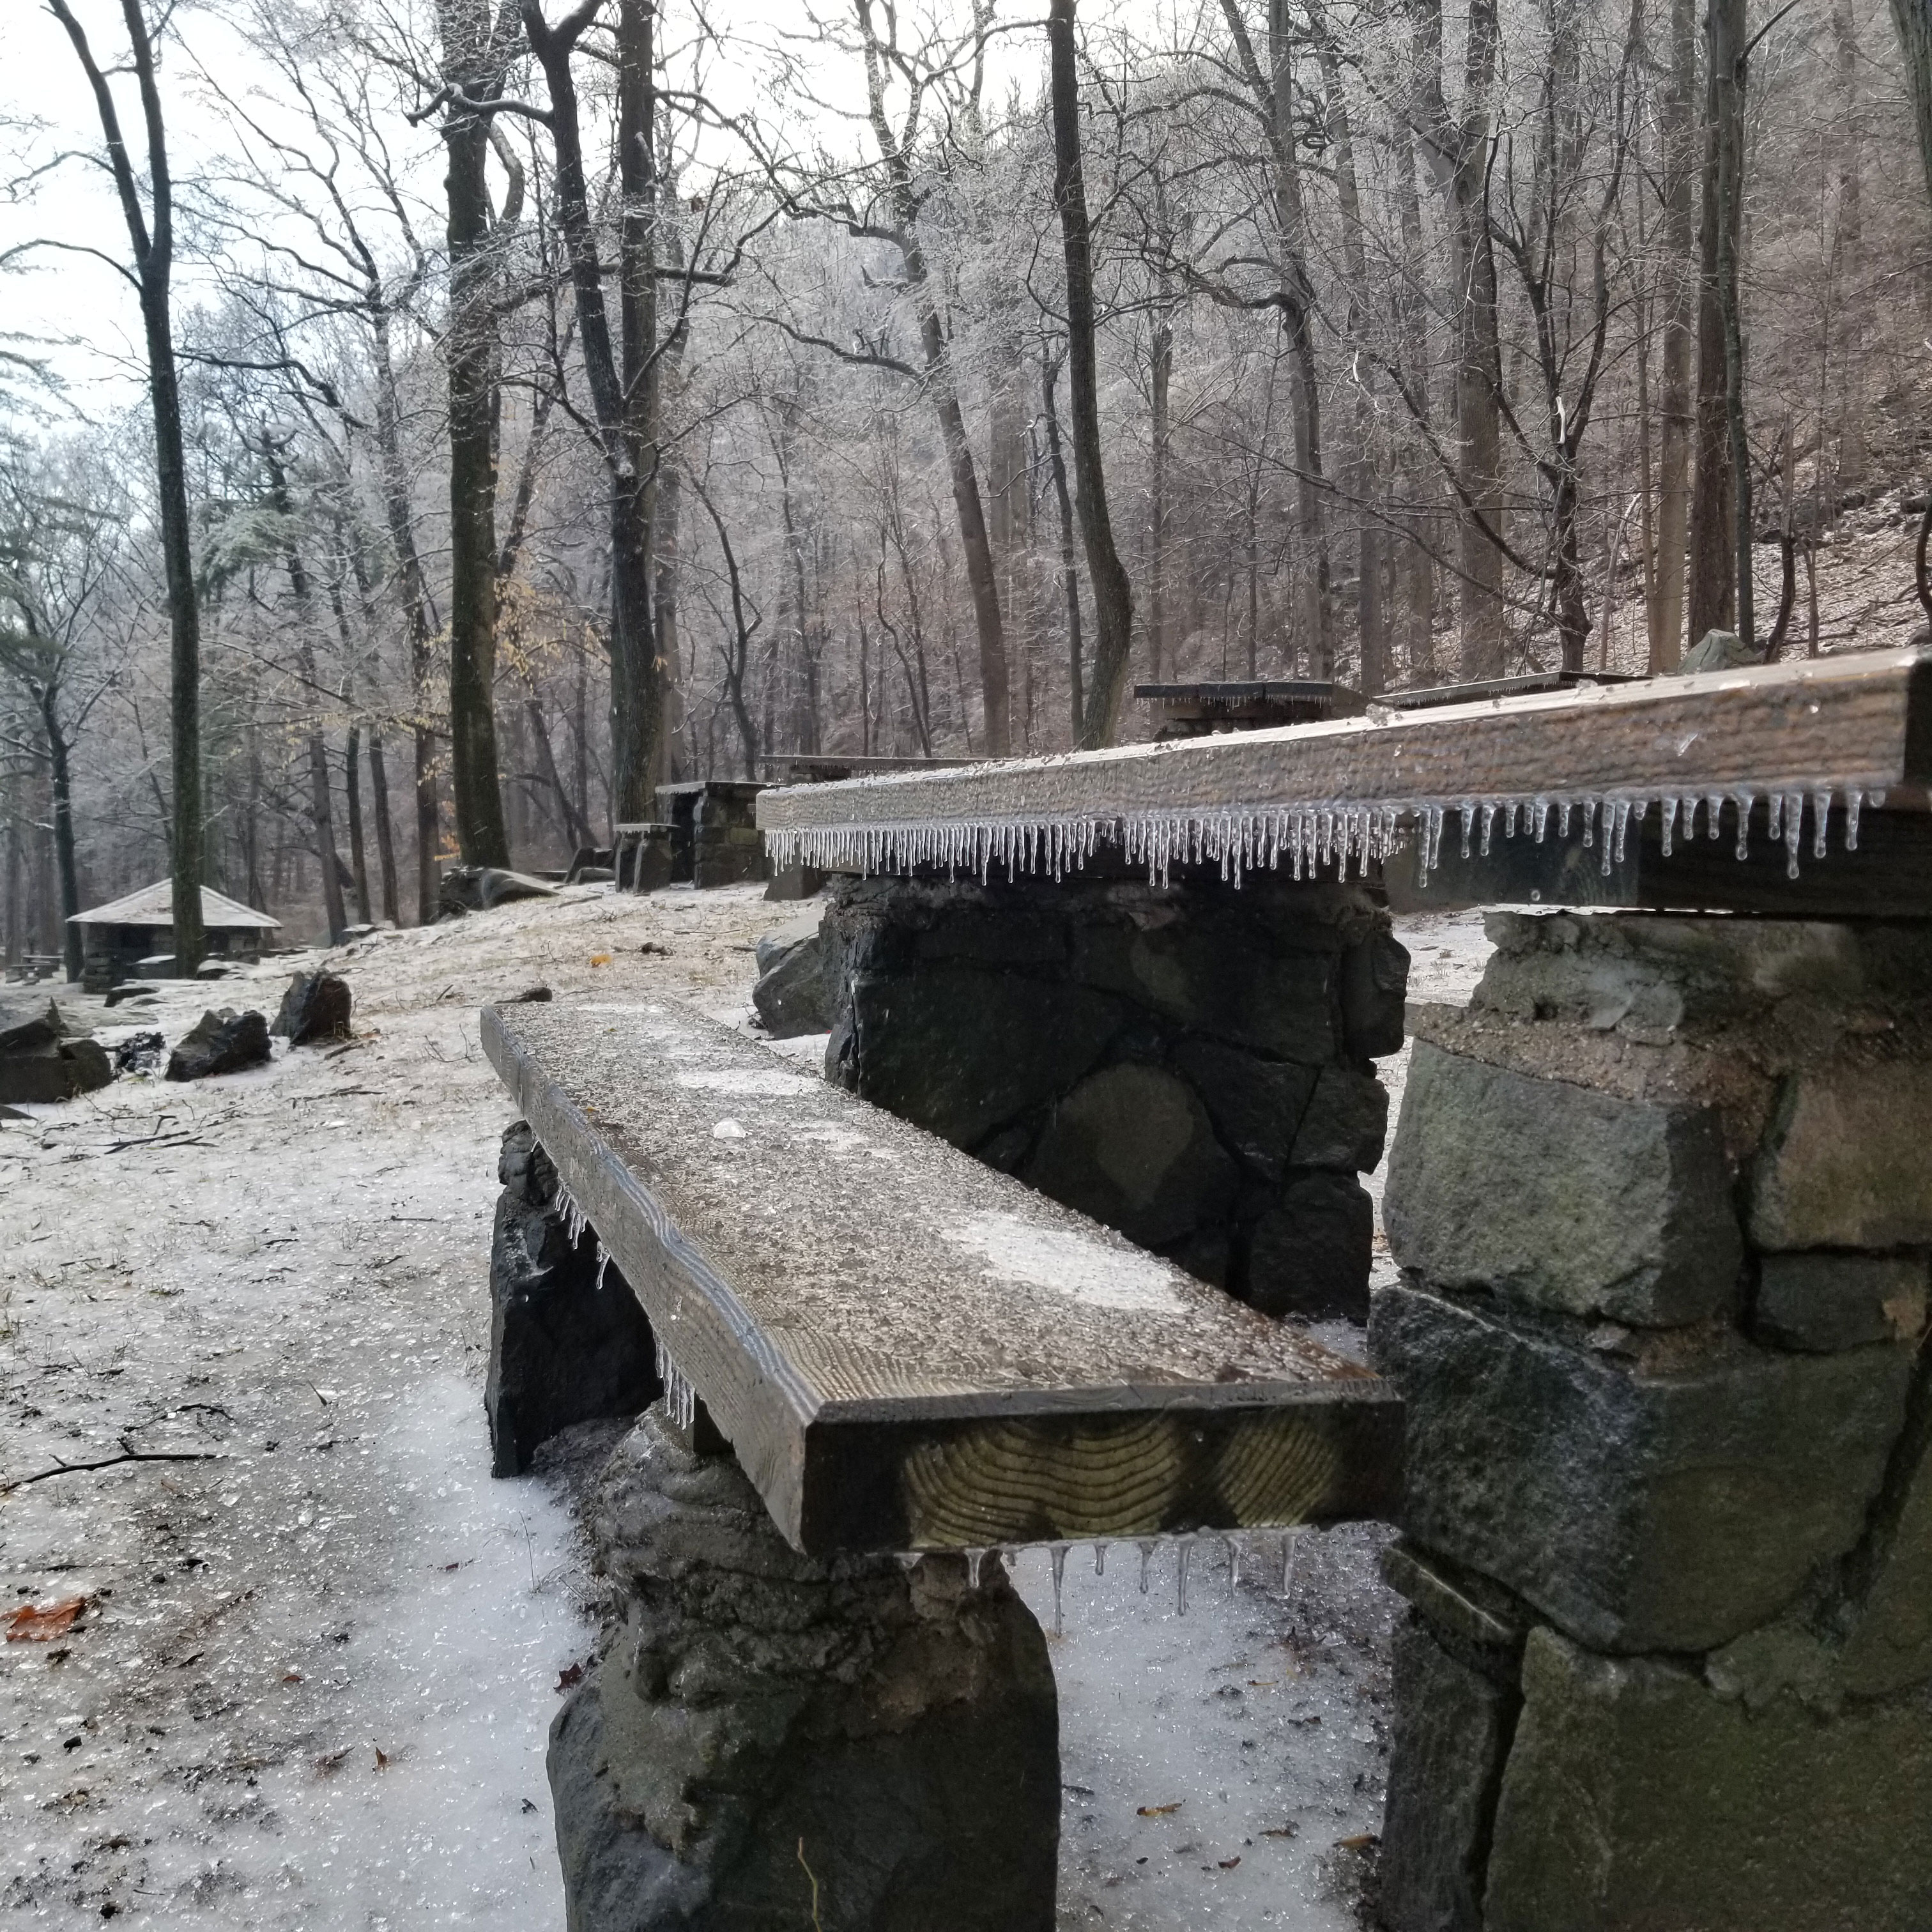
(1850,727)
(908,1349)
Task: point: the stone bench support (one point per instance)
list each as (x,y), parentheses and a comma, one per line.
(1192,1064)
(1662,1197)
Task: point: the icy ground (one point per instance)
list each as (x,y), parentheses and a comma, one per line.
(311,1683)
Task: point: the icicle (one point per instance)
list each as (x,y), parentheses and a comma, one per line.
(1794,831)
(1186,1557)
(909,1559)
(1468,812)
(1714,808)
(1237,1556)
(1821,805)
(1542,818)
(1854,802)
(1290,1553)
(1777,812)
(1563,820)
(603,1262)
(574,1218)
(975,1560)
(1488,819)
(1057,1558)
(1146,1549)
(1099,1559)
(1670,820)
(1745,802)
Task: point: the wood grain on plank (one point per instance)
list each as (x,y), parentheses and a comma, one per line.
(906,1348)
(1863,721)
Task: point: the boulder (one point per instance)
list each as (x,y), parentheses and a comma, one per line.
(315,1008)
(1635,1796)
(1559,1196)
(568,1341)
(478,888)
(1666,1510)
(769,1739)
(793,996)
(45,1057)
(222,1041)
(1256,1106)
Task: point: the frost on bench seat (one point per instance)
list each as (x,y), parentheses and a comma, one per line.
(906,1349)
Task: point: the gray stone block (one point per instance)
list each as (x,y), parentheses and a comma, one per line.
(900,1731)
(1820,1302)
(221,1041)
(1256,1106)
(1560,1196)
(1633,1797)
(1309,1254)
(1888,1645)
(1346,1124)
(1848,1161)
(1132,1147)
(1374,989)
(1637,1512)
(960,1052)
(1450,1736)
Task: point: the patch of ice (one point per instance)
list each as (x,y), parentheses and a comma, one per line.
(727,1130)
(1066,1262)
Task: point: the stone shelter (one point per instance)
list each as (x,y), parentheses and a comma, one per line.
(116,937)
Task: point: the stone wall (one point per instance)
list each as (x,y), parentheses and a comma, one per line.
(767,1739)
(1662,1199)
(1192,1064)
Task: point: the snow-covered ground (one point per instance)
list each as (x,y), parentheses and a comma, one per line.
(312,1679)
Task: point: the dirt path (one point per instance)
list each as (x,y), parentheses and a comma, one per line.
(312,1679)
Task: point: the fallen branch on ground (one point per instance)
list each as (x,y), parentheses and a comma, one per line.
(109,1463)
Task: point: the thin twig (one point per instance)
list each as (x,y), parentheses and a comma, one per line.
(109,1463)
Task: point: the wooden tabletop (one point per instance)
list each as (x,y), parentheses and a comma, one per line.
(1844,727)
(906,1348)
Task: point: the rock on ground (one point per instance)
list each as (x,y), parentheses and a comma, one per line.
(223,1041)
(316,1007)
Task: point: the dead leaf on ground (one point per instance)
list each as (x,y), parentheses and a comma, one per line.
(600,958)
(1361,1842)
(1278,1831)
(572,1675)
(37,1623)
(1158,1810)
(651,946)
(292,1677)
(329,1764)
(1228,1864)
(382,1758)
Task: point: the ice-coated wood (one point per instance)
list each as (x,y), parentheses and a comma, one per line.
(907,1349)
(1851,725)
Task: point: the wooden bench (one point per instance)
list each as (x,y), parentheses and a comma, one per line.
(907,1349)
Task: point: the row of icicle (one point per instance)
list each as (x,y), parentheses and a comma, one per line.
(1310,838)
(1264,1553)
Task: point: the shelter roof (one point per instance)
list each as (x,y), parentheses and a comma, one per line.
(155,905)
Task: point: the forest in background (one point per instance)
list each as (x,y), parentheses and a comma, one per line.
(572,398)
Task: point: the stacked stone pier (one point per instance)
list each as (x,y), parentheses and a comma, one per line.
(1662,1199)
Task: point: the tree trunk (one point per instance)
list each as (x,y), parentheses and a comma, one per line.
(1913,19)
(1848,248)
(1678,118)
(1159,376)
(151,238)
(1113,598)
(1069,574)
(60,769)
(1714,585)
(1728,29)
(1415,471)
(470,354)
(358,856)
(385,837)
